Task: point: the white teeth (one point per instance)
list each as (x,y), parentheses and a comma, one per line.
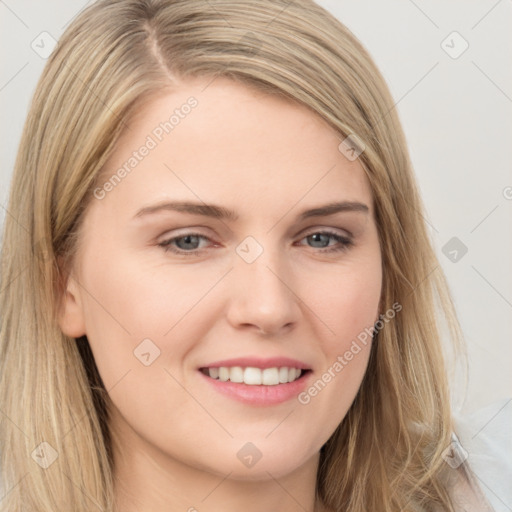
(236,374)
(283,375)
(252,376)
(255,376)
(270,376)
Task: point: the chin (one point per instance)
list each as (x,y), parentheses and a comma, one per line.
(252,464)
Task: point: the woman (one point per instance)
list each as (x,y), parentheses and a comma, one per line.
(290,359)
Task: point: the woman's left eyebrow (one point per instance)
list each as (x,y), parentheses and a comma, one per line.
(222,213)
(332,208)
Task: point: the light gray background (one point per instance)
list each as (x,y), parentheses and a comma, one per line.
(456,114)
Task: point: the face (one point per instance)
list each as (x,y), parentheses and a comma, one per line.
(229,336)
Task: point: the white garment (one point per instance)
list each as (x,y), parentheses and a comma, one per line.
(486,436)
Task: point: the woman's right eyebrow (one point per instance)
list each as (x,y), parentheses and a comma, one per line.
(193,208)
(222,213)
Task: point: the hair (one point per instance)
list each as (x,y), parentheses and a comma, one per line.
(386,454)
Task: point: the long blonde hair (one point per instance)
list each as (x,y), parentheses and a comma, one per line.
(386,454)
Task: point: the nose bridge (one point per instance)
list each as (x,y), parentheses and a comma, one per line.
(263,294)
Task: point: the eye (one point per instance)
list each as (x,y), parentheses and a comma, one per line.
(187,244)
(321,239)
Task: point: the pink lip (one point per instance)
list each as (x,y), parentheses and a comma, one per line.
(258,362)
(259,395)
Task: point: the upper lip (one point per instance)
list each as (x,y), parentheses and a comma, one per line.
(259,362)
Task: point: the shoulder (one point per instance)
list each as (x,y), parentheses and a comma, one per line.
(485,445)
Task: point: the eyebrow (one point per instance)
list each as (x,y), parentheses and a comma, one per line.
(221,213)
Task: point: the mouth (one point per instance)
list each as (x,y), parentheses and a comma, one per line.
(257,382)
(253,376)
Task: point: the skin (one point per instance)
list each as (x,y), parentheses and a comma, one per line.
(268,159)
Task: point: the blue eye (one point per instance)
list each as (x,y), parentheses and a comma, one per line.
(323,236)
(188,244)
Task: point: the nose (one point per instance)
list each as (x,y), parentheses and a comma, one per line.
(263,295)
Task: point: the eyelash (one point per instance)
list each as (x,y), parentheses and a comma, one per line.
(345,243)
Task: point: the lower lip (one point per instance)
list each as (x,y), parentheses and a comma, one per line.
(259,395)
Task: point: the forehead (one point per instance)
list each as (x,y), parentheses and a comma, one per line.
(223,142)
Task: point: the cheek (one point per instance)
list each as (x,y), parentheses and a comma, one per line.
(346,302)
(132,310)
(139,323)
(140,300)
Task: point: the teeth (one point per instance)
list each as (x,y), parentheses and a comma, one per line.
(255,376)
(223,373)
(270,376)
(236,374)
(252,376)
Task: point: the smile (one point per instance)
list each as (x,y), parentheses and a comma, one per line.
(254,376)
(257,381)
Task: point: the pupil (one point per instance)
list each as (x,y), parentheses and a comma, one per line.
(187,240)
(316,237)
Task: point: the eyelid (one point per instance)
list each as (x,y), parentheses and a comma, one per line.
(166,244)
(344,242)
(322,229)
(180,232)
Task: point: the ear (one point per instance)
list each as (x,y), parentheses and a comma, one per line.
(71,318)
